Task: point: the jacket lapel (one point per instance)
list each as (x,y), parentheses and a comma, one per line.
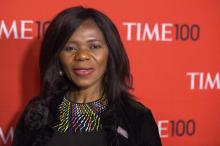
(114,126)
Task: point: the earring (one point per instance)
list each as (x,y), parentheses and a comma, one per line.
(61,73)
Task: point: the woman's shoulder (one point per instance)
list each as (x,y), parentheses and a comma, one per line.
(136,106)
(31,122)
(35,114)
(143,121)
(34,104)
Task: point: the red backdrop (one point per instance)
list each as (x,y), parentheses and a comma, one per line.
(174,50)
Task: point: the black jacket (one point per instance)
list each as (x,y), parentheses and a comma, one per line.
(135,121)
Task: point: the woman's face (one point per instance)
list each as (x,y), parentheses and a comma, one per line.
(84,57)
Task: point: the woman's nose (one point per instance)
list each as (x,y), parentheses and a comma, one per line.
(82,54)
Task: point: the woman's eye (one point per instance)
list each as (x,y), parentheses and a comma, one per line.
(95,46)
(70,48)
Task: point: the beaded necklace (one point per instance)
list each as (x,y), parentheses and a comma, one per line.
(80,117)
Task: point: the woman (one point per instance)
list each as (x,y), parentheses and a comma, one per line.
(85,82)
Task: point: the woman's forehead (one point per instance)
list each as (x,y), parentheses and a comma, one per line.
(88,30)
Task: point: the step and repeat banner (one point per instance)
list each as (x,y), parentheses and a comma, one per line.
(174,51)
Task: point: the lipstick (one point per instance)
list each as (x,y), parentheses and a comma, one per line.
(83,71)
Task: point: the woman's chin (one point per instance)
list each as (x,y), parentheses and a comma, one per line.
(82,85)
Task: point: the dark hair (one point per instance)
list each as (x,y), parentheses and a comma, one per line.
(117,80)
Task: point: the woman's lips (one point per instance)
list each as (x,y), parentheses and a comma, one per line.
(83,71)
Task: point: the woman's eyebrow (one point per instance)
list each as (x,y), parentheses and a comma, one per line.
(71,41)
(92,39)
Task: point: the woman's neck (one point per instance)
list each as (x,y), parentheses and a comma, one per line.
(85,95)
